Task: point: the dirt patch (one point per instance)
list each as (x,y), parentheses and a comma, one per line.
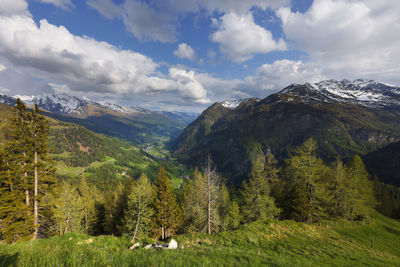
(83,148)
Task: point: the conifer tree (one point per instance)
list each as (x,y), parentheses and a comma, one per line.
(229,211)
(167,212)
(16,220)
(361,192)
(138,215)
(304,176)
(195,203)
(68,211)
(257,201)
(338,190)
(88,196)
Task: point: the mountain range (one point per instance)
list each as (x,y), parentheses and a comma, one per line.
(345,117)
(134,124)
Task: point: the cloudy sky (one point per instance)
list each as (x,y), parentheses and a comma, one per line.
(187,54)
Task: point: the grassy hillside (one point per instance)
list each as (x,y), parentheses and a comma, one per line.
(268,243)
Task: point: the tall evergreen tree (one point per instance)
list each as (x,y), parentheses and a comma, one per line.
(229,211)
(304,186)
(195,203)
(257,201)
(361,192)
(88,195)
(167,212)
(138,215)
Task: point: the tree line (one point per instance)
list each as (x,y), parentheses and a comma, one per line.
(302,189)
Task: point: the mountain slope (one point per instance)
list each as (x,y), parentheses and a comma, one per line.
(134,124)
(343,126)
(80,152)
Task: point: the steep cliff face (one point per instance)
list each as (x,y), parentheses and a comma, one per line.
(280,122)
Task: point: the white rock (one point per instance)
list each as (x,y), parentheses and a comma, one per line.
(134,246)
(172,244)
(147,246)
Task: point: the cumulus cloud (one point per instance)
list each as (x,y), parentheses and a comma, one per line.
(185,51)
(145,22)
(157,20)
(281,73)
(348,38)
(189,85)
(63,4)
(240,37)
(84,64)
(13,7)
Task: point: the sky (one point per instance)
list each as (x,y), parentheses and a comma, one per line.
(185,55)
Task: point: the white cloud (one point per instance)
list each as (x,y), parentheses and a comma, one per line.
(55,55)
(142,20)
(2,67)
(223,6)
(349,39)
(240,38)
(185,51)
(189,85)
(106,7)
(281,73)
(15,7)
(63,4)
(158,20)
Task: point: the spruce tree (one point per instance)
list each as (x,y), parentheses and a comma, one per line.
(361,192)
(195,204)
(304,183)
(167,212)
(138,215)
(257,201)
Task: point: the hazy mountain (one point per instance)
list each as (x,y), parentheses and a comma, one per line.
(135,124)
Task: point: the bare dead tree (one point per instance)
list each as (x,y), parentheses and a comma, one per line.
(212,189)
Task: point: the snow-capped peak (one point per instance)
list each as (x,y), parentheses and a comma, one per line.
(115,107)
(363,92)
(25,98)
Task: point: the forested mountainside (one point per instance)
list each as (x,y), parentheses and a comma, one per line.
(79,152)
(345,118)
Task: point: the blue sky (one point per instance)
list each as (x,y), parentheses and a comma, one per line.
(187,54)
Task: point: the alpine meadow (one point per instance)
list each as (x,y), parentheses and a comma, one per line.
(199,133)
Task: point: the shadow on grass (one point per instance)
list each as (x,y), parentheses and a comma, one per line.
(9,260)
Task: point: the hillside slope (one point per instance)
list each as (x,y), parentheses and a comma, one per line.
(264,243)
(80,152)
(342,126)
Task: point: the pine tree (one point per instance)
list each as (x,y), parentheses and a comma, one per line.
(257,201)
(338,190)
(43,169)
(68,211)
(167,212)
(88,195)
(361,192)
(304,186)
(229,211)
(16,220)
(138,215)
(195,204)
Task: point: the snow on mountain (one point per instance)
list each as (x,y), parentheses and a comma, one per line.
(234,103)
(115,107)
(29,99)
(60,103)
(368,93)
(7,100)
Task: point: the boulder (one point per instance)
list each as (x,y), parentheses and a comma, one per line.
(172,244)
(134,246)
(147,246)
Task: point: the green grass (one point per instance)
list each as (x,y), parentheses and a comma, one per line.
(268,243)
